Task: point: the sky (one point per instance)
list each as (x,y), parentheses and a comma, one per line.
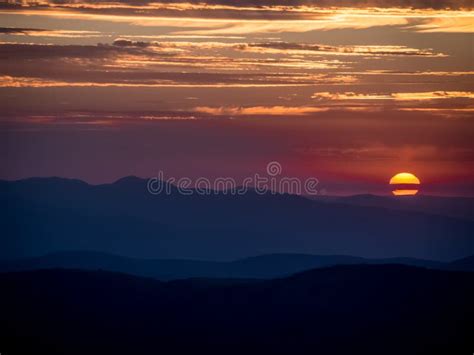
(349,92)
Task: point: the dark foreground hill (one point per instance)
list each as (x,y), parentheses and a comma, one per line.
(40,216)
(258,267)
(358,309)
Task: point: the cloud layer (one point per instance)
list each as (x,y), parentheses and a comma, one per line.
(417,4)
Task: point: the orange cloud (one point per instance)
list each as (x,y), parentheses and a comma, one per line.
(260,110)
(240,21)
(19,82)
(317,49)
(401,96)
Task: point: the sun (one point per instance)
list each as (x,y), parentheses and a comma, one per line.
(405,184)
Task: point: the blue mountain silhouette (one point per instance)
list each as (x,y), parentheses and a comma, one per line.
(47,215)
(258,267)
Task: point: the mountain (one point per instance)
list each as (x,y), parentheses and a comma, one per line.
(358,309)
(259,267)
(464,264)
(458,207)
(46,215)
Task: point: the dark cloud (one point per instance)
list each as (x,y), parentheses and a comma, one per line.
(97,64)
(128,43)
(16,31)
(20,51)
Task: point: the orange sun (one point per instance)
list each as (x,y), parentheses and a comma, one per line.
(405,184)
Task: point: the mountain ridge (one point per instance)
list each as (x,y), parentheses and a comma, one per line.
(256,267)
(124,218)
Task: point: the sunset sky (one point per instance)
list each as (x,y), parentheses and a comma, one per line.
(350,92)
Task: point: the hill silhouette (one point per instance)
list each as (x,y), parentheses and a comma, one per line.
(453,206)
(362,309)
(45,215)
(258,267)
(466,264)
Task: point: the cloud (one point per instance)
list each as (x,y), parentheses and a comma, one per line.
(410,73)
(18,31)
(20,51)
(417,4)
(34,82)
(400,96)
(447,25)
(129,43)
(439,103)
(365,50)
(157,64)
(37,32)
(433,95)
(234,19)
(259,110)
